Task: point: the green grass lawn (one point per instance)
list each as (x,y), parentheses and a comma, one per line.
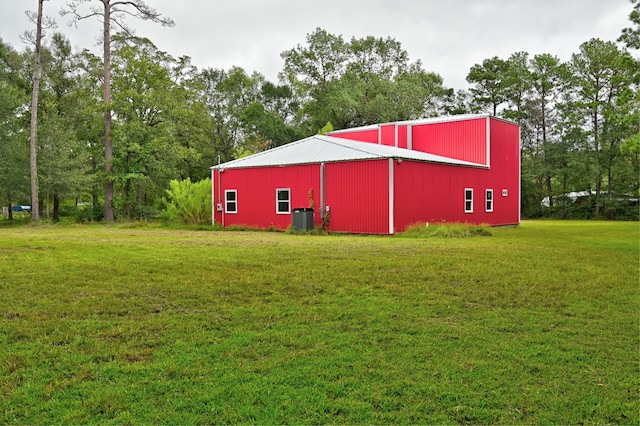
(108,324)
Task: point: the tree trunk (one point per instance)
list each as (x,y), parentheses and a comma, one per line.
(56,208)
(140,197)
(598,189)
(596,150)
(547,182)
(37,75)
(108,145)
(10,212)
(95,200)
(546,148)
(127,201)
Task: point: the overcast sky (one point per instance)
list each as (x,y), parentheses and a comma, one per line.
(448,36)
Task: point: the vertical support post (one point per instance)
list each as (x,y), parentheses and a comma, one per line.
(395,136)
(323,200)
(391,197)
(488,164)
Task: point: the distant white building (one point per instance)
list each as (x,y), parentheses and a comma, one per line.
(572,195)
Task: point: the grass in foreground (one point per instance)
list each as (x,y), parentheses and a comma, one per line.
(537,324)
(446,230)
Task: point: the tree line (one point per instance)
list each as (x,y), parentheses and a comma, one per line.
(169,120)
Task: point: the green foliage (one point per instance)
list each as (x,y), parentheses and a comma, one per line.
(488,79)
(14,125)
(63,158)
(585,208)
(317,230)
(364,81)
(148,149)
(327,128)
(602,79)
(189,203)
(579,120)
(248,114)
(446,230)
(90,213)
(579,124)
(631,36)
(141,324)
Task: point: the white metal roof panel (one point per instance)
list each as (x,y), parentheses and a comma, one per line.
(327,149)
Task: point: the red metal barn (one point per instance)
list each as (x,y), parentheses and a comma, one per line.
(380,179)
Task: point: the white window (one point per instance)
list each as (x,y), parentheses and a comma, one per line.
(468,200)
(283,200)
(231,201)
(489,200)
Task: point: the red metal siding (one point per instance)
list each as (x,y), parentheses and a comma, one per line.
(358,195)
(358,192)
(388,134)
(402,136)
(256,191)
(358,135)
(463,140)
(434,193)
(426,192)
(505,163)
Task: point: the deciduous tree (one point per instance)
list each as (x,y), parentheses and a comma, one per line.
(360,82)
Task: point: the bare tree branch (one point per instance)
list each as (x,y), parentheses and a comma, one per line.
(46,23)
(145,12)
(76,16)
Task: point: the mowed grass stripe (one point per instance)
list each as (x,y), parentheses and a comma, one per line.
(535,324)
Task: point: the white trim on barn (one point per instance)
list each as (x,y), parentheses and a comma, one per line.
(395,135)
(519,174)
(488,126)
(391,196)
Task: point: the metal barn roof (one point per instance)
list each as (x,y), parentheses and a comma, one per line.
(329,149)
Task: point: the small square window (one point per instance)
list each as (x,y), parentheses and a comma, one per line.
(468,200)
(283,201)
(231,201)
(489,200)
